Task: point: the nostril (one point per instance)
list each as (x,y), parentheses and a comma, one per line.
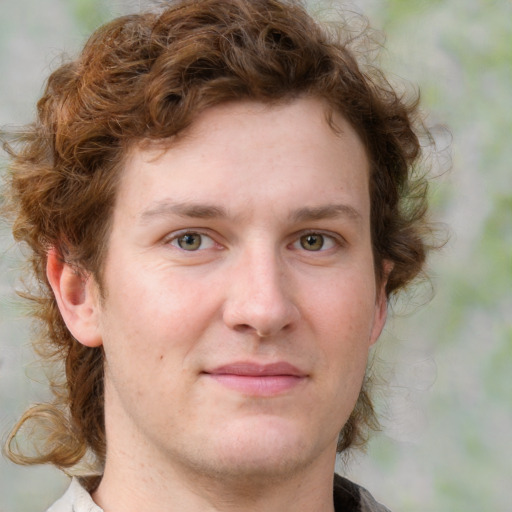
(243,328)
(248,329)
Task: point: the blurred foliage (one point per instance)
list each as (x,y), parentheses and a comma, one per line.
(89,14)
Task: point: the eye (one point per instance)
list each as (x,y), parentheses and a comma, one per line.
(192,241)
(315,242)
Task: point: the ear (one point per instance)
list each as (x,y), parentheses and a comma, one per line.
(381,303)
(77,296)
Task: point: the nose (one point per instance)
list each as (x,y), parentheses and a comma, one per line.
(260,297)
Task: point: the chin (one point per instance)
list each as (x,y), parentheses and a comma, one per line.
(267,449)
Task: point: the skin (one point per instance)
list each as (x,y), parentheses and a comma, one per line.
(247,245)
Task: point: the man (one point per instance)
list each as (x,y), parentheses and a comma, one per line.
(219,203)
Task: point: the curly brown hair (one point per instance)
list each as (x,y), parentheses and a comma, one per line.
(146,77)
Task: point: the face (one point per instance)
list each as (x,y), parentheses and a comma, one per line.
(240,298)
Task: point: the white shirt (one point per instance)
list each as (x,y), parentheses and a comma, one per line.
(76,499)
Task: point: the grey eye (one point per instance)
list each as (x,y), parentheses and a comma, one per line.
(312,242)
(189,241)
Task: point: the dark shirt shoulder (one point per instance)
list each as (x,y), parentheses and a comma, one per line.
(350,497)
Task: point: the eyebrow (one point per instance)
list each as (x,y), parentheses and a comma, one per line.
(330,211)
(167,207)
(194,210)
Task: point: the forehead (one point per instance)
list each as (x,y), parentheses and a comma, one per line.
(239,153)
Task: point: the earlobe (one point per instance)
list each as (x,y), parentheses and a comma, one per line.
(77,298)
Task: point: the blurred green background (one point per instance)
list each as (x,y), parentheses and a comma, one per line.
(446,408)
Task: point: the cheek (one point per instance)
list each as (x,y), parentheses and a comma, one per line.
(344,305)
(342,318)
(153,316)
(343,326)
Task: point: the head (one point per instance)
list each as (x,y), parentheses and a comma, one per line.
(145,80)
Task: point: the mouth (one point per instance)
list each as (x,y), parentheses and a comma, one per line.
(254,379)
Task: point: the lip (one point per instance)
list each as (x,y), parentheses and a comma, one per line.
(256,379)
